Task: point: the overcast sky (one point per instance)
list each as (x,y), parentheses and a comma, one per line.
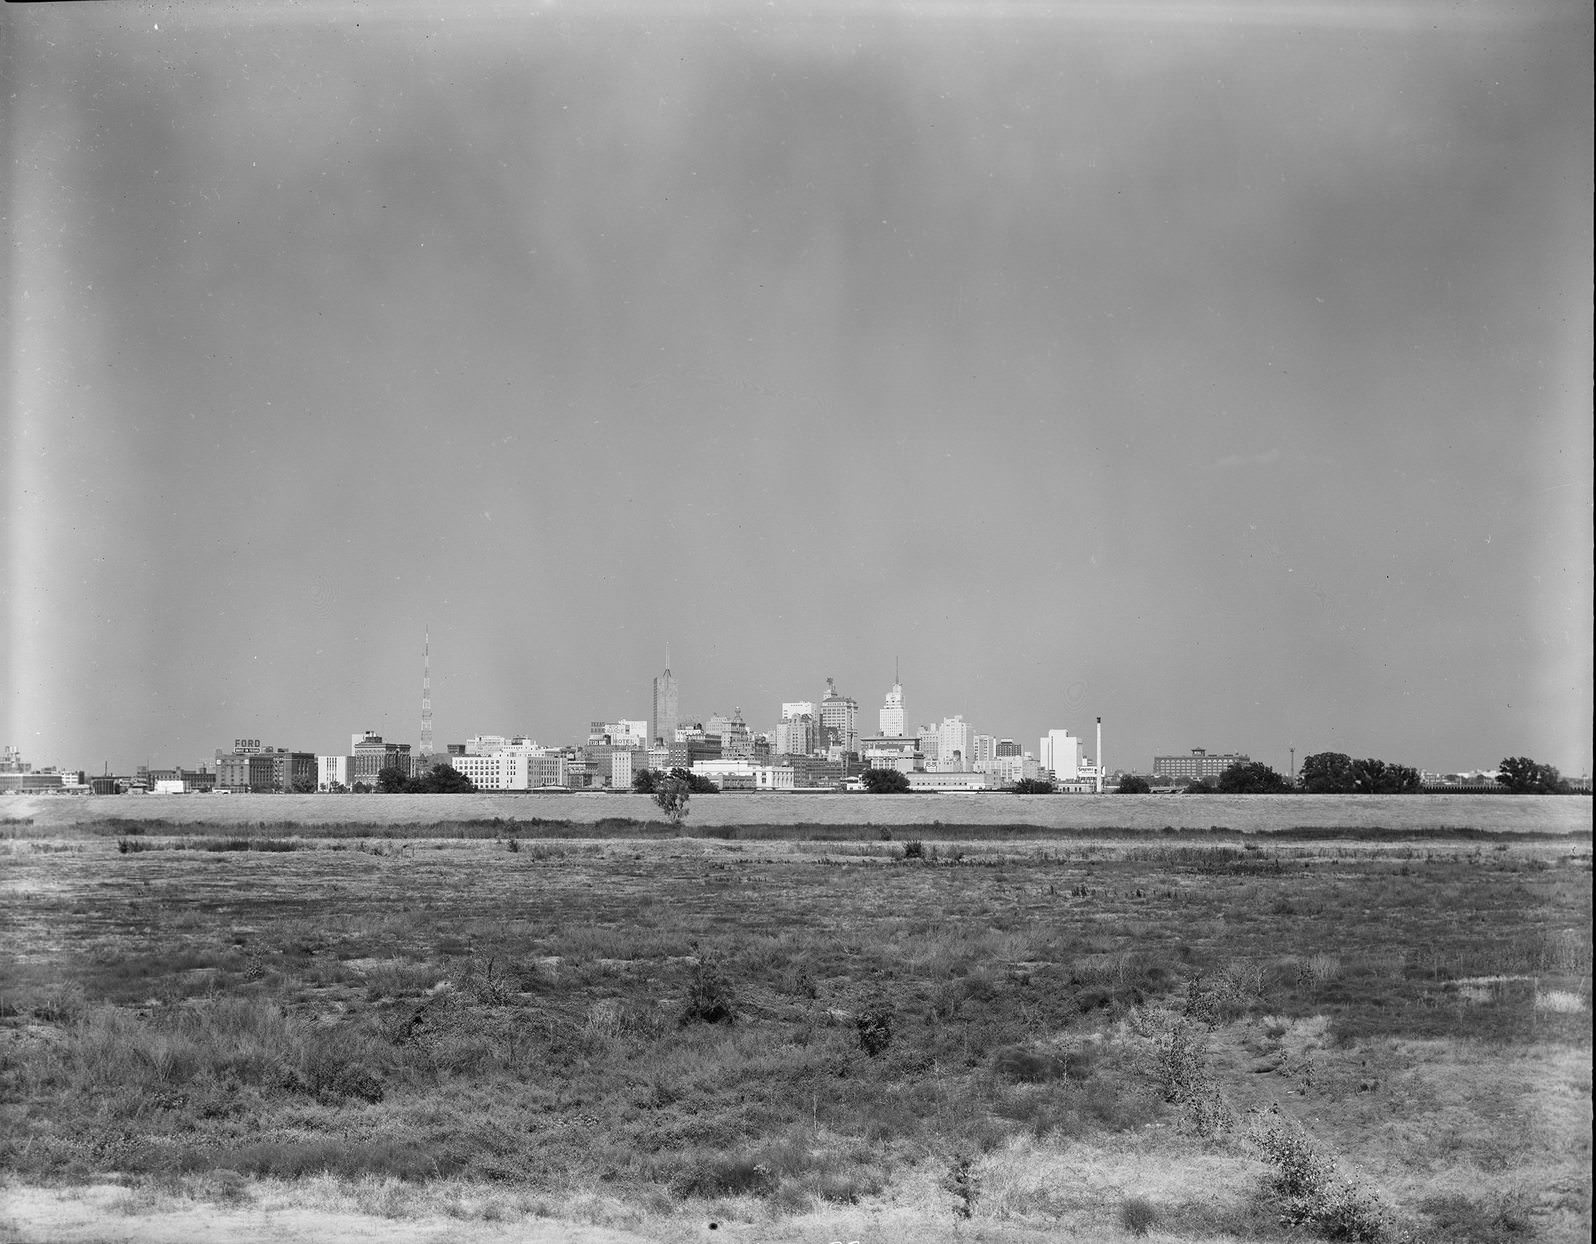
(1221,369)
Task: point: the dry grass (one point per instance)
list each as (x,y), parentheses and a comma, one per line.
(26,815)
(650,1035)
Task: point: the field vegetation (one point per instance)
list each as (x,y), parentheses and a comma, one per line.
(858,812)
(1187,1036)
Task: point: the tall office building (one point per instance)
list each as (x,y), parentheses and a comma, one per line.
(892,713)
(839,719)
(795,736)
(954,749)
(736,743)
(662,725)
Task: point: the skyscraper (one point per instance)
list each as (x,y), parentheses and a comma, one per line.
(954,750)
(892,713)
(839,719)
(662,724)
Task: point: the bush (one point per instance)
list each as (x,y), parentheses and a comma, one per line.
(711,999)
(1313,1192)
(1500,1220)
(874,1026)
(962,1181)
(1138,1215)
(1182,1065)
(1130,784)
(914,850)
(1020,1066)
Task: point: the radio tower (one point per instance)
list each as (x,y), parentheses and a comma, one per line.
(426,695)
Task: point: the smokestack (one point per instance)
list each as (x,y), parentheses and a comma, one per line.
(1099,755)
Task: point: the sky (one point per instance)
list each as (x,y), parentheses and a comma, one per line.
(1219,369)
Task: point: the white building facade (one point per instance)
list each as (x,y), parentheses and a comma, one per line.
(1060,755)
(955,751)
(892,713)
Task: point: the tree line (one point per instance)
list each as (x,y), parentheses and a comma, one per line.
(1336,773)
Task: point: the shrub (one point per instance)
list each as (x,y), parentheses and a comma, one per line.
(1313,1192)
(962,1181)
(874,1026)
(1183,1077)
(711,999)
(1500,1220)
(1138,1215)
(1020,1066)
(914,850)
(331,1078)
(1131,784)
(1182,1065)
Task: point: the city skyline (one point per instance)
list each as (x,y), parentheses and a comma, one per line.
(1219,369)
(941,726)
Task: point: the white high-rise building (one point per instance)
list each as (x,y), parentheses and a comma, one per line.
(954,750)
(892,713)
(1061,754)
(985,746)
(798,708)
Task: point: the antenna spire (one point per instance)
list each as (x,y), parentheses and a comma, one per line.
(426,693)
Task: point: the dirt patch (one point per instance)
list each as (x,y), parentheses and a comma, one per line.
(104,1212)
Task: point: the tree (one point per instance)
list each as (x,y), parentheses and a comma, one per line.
(645,780)
(1251,777)
(304,786)
(392,780)
(1131,784)
(1376,777)
(1328,773)
(1402,780)
(671,791)
(884,781)
(1035,786)
(697,783)
(1523,776)
(442,779)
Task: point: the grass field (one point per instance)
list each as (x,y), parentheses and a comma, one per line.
(917,1039)
(1243,813)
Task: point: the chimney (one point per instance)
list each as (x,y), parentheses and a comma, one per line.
(1100,767)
